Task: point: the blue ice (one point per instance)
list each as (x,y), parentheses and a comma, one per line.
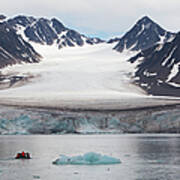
(89,158)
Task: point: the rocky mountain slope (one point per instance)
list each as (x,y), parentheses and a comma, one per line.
(48,32)
(13,48)
(19,37)
(158,61)
(158,71)
(16,35)
(144,34)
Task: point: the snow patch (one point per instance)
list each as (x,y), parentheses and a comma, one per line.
(159,47)
(142,29)
(149,74)
(173,72)
(174,84)
(160,81)
(170,55)
(20,31)
(133,46)
(6,53)
(63,33)
(5,81)
(172,62)
(144,84)
(171,38)
(162,39)
(136,78)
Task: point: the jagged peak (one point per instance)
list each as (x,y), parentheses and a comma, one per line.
(144,34)
(57,25)
(21,20)
(54,19)
(2,17)
(43,20)
(23,17)
(145,20)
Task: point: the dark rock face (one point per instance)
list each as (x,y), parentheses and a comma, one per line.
(2,17)
(158,71)
(75,37)
(41,32)
(48,32)
(114,40)
(144,34)
(21,20)
(13,49)
(58,26)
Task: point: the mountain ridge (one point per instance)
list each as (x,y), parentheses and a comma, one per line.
(49,31)
(13,48)
(18,32)
(144,34)
(158,72)
(156,59)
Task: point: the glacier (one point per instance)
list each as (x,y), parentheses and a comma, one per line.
(89,158)
(88,77)
(81,90)
(71,75)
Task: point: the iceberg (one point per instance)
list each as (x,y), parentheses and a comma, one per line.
(89,158)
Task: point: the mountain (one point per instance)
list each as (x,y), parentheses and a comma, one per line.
(16,35)
(113,40)
(144,34)
(2,17)
(158,71)
(48,32)
(13,48)
(158,62)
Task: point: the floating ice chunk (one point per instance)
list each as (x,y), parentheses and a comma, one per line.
(36,177)
(90,158)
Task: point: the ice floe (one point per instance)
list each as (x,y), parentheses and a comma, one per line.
(89,158)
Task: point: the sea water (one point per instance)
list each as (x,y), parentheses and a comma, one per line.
(143,157)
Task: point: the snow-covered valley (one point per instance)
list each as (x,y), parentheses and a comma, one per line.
(78,73)
(88,77)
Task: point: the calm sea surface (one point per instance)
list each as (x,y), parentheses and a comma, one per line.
(143,157)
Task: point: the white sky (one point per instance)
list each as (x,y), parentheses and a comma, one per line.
(104,18)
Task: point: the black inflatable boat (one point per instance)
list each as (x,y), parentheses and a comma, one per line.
(23,155)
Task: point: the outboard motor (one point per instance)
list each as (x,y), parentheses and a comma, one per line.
(23,155)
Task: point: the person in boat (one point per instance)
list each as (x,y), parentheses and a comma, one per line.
(23,155)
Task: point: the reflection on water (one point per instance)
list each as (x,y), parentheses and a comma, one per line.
(144,157)
(161,157)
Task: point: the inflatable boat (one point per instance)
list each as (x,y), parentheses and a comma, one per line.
(23,155)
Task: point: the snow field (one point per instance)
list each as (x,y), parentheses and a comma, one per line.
(76,73)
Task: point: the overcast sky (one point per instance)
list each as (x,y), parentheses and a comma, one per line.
(103,18)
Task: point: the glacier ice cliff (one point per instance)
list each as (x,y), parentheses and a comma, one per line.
(14,120)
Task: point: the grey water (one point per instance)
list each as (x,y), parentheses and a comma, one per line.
(143,157)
